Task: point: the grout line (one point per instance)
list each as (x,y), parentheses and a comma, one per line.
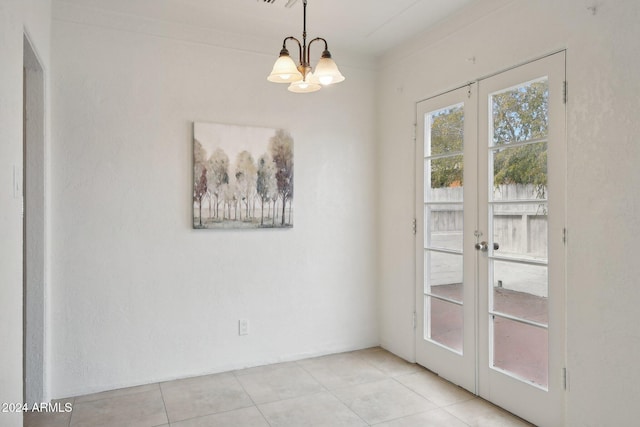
(263,416)
(245,390)
(312,376)
(73,405)
(453,415)
(164,404)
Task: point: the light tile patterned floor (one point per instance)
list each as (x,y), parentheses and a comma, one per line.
(360,388)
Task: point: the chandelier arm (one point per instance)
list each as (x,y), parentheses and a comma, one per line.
(326,48)
(284,45)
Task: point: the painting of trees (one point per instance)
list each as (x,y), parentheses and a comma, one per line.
(246,177)
(239,192)
(200,192)
(266,183)
(281,148)
(218,175)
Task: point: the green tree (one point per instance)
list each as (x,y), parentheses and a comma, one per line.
(447,136)
(521,115)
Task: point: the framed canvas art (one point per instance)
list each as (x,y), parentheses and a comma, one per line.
(242,177)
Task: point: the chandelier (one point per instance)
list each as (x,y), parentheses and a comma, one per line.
(300,77)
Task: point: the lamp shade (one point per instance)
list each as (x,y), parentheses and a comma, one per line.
(309,84)
(327,71)
(284,70)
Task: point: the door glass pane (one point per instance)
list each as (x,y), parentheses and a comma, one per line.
(520,172)
(443,179)
(443,271)
(521,350)
(520,290)
(445,323)
(520,113)
(446,131)
(520,230)
(444,226)
(443,275)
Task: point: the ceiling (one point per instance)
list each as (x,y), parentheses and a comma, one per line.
(369,27)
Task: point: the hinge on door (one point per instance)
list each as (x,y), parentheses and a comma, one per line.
(414,320)
(415,132)
(415,226)
(565,378)
(565,92)
(564,235)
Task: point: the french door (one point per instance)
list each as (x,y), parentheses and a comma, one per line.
(490,238)
(445,222)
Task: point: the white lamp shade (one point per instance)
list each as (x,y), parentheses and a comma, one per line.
(284,71)
(309,84)
(327,72)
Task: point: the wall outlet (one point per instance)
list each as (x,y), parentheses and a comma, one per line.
(243,327)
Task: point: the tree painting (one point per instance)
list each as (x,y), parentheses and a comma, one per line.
(281,148)
(242,176)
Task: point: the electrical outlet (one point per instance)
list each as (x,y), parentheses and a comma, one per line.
(243,327)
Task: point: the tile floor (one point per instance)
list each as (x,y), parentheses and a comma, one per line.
(360,388)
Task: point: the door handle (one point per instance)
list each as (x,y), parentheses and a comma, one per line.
(484,246)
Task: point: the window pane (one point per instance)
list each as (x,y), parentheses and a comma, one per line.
(444,226)
(522,350)
(446,131)
(521,113)
(445,323)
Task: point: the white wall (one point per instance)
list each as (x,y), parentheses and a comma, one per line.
(138,295)
(16,17)
(603,62)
